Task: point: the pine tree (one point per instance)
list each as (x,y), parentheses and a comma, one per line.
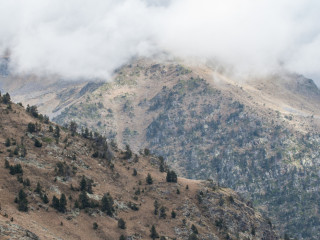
(149,179)
(22,201)
(173,214)
(73,127)
(89,186)
(153,233)
(107,204)
(163,212)
(57,132)
(45,198)
(128,153)
(55,202)
(38,188)
(84,200)
(6,98)
(76,204)
(83,184)
(156,207)
(62,203)
(171,177)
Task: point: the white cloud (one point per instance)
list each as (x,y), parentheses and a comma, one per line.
(82,38)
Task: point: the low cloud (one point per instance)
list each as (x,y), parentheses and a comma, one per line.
(89,39)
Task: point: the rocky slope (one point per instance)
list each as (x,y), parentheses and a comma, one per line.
(78,174)
(259,138)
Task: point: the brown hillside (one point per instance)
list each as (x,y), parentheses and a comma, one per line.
(217,213)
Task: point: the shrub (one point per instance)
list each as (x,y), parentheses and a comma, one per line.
(31,127)
(193,236)
(6,164)
(95,226)
(146,151)
(135,173)
(26,182)
(8,142)
(121,224)
(37,143)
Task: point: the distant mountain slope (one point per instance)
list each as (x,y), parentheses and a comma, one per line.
(50,93)
(260,138)
(91,185)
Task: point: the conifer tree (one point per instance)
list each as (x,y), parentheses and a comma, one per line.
(153,233)
(83,184)
(163,212)
(149,179)
(6,98)
(156,207)
(55,202)
(84,200)
(107,204)
(45,198)
(173,214)
(38,188)
(57,132)
(22,201)
(62,203)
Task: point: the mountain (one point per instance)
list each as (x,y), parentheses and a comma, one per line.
(258,137)
(51,94)
(58,184)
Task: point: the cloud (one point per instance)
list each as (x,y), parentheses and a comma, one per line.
(89,39)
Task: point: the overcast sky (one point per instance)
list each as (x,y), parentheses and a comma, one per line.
(90,38)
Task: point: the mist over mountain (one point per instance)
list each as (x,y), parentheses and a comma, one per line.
(90,39)
(223,93)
